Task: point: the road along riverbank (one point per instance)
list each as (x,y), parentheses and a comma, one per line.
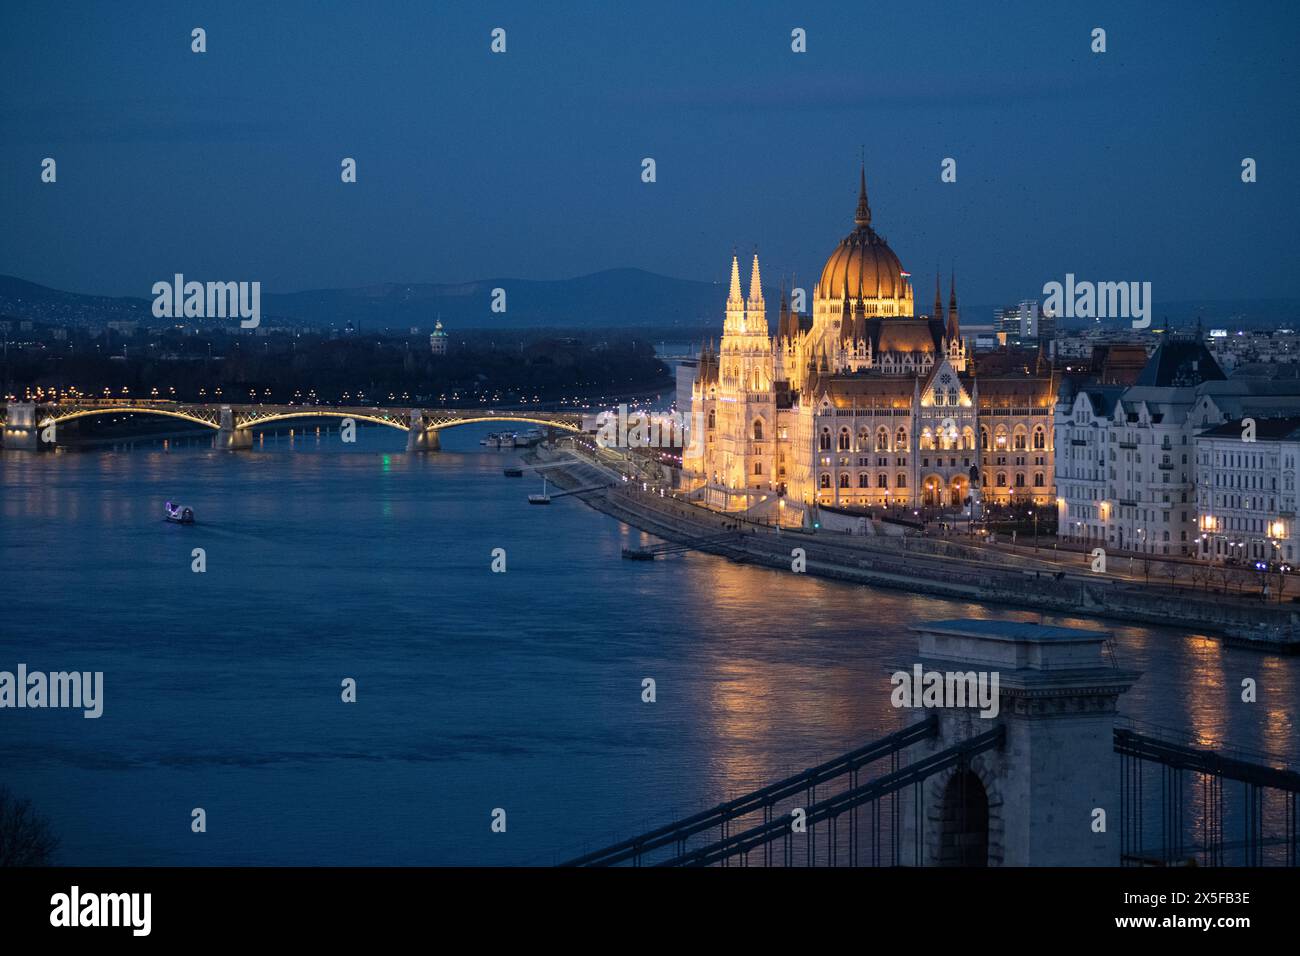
(938,566)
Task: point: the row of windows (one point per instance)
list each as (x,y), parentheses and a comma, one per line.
(1021,439)
(882,480)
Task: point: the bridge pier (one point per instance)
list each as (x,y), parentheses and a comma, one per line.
(21,432)
(1033,801)
(419,437)
(229,437)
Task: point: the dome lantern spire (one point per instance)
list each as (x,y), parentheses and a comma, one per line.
(863,215)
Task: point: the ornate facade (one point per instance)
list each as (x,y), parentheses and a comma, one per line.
(862,403)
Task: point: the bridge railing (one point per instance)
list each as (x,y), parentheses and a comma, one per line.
(843,771)
(1183,805)
(842,808)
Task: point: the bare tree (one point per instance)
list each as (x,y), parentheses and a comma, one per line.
(1241,577)
(1174,569)
(1225,577)
(26,838)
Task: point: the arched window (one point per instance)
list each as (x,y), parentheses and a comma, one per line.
(758,429)
(844,479)
(1020,479)
(882,439)
(952,396)
(758,467)
(826,481)
(882,480)
(1038,479)
(713,418)
(938,396)
(845,440)
(968,438)
(1018,440)
(864,480)
(864,439)
(1002,479)
(824,443)
(902,481)
(1040,439)
(984,439)
(900,439)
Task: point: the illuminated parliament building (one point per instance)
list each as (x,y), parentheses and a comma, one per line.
(863,403)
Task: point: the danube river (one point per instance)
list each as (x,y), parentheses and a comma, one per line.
(475,690)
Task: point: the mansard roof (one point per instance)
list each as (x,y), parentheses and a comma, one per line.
(997,390)
(862,390)
(1180,362)
(1102,398)
(1266,429)
(905,335)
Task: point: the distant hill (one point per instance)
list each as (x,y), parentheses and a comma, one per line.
(616,297)
(613,298)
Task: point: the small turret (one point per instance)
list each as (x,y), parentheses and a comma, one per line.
(954,330)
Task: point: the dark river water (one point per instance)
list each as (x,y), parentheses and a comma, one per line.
(475,690)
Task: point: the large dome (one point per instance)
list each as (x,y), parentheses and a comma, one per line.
(866,263)
(863,260)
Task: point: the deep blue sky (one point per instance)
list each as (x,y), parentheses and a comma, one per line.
(226,165)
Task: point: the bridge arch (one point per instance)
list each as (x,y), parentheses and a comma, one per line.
(524,419)
(321,412)
(964,807)
(964,821)
(129,410)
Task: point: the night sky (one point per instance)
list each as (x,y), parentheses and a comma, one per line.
(225,165)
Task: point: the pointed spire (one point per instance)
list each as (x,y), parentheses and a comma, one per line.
(938,297)
(755,282)
(734,294)
(863,216)
(954,328)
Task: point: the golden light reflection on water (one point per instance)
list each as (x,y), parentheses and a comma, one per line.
(762,672)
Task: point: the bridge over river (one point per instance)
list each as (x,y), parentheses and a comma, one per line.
(32,426)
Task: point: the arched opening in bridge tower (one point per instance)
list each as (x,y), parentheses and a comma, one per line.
(964,826)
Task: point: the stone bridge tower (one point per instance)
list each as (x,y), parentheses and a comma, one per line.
(1031,801)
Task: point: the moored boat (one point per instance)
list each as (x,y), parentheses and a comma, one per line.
(1277,639)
